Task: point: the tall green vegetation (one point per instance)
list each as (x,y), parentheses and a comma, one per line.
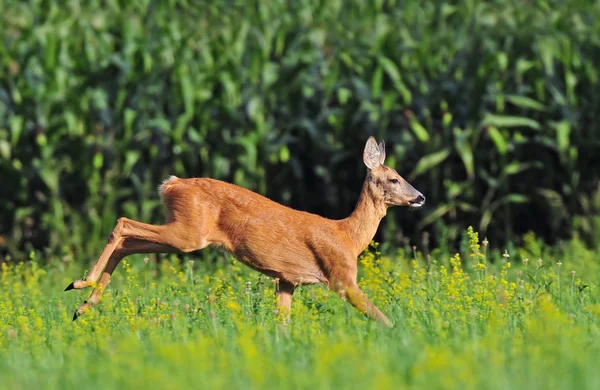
(487,107)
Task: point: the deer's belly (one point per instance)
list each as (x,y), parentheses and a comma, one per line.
(292,268)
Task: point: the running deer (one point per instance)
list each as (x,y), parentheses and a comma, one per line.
(294,246)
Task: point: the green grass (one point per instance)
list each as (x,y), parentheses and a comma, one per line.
(469,321)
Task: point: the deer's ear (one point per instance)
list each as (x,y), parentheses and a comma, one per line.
(371,155)
(381,152)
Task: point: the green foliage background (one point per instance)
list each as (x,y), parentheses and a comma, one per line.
(489,108)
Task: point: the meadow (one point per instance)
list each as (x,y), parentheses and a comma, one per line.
(488,107)
(482,318)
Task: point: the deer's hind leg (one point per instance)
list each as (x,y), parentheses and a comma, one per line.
(127,247)
(285,293)
(129,237)
(181,236)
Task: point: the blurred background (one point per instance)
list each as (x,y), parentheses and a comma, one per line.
(488,108)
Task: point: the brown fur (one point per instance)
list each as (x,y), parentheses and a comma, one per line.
(294,246)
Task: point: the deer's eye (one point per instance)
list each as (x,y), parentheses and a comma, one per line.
(395,181)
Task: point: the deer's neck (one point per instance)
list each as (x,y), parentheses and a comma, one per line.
(362,224)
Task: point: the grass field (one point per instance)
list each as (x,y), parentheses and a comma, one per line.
(528,319)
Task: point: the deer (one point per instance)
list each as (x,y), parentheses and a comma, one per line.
(294,247)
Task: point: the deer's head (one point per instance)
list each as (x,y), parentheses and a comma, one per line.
(384,182)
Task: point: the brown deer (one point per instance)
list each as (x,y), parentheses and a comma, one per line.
(294,246)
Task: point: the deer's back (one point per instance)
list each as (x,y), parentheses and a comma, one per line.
(267,236)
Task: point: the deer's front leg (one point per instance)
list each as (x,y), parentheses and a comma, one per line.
(349,290)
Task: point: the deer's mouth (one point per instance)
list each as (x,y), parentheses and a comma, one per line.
(418,201)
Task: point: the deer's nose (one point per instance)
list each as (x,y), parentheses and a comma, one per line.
(420,199)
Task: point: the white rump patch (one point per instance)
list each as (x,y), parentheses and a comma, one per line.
(162,185)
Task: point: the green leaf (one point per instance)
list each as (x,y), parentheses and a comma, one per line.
(230,99)
(555,200)
(454,189)
(466,207)
(194,135)
(498,139)
(516,198)
(563,133)
(510,198)
(284,154)
(50,177)
(464,151)
(447,119)
(429,161)
(525,102)
(547,48)
(131,157)
(393,73)
(485,220)
(512,168)
(502,60)
(344,94)
(377,82)
(5,151)
(509,121)
(435,215)
(129,117)
(489,179)
(16,129)
(421,133)
(98,160)
(517,167)
(390,68)
(523,66)
(254,109)
(558,96)
(186,89)
(270,74)
(181,125)
(71,122)
(41,140)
